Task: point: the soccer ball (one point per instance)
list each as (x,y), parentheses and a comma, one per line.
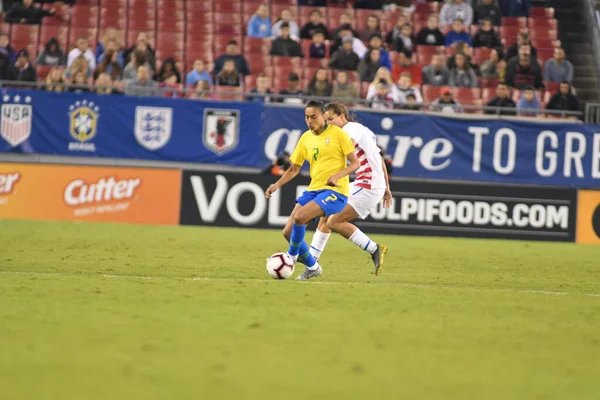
(280,266)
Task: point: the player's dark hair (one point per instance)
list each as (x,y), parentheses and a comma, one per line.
(340,109)
(316,104)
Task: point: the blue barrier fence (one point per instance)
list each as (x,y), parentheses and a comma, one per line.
(250,134)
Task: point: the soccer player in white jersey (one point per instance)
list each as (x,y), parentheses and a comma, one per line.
(370,186)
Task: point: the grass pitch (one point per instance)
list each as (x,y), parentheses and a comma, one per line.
(103,311)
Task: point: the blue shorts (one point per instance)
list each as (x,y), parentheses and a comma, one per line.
(331,202)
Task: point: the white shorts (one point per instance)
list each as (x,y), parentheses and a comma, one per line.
(364,200)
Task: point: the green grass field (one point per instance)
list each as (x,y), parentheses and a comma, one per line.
(103,311)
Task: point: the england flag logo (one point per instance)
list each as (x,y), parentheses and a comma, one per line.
(16,119)
(153,126)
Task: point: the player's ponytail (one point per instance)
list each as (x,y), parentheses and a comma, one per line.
(340,109)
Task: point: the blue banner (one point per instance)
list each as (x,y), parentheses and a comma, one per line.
(251,134)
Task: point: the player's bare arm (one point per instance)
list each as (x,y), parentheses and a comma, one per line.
(387,197)
(287,176)
(350,168)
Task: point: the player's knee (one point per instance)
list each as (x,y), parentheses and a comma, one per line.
(299,219)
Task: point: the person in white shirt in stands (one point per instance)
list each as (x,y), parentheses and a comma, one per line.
(286,16)
(83,47)
(370,187)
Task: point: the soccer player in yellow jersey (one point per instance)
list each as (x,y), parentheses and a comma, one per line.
(327,148)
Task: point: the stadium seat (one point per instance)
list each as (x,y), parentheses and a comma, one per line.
(545,54)
(546,23)
(42,71)
(113,17)
(225,93)
(488,82)
(254,46)
(487,94)
(542,12)
(425,53)
(543,43)
(61,33)
(551,86)
(25,33)
(520,22)
(481,54)
(279,61)
(199,5)
(509,32)
(426,8)
(84,15)
(228,7)
(467,96)
(430,93)
(543,33)
(288,3)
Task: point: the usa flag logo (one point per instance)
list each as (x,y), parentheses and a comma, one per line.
(16,119)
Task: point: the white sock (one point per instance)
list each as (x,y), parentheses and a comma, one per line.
(363,241)
(314,266)
(319,241)
(295,258)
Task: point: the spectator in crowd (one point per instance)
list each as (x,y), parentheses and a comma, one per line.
(232,53)
(405,64)
(461,47)
(8,55)
(286,16)
(411,103)
(446,103)
(312,3)
(143,85)
(502,100)
(372,28)
(109,34)
(79,83)
(376,42)
(199,73)
(143,44)
(260,23)
(529,105)
(229,75)
(384,97)
(431,35)
(563,99)
(137,59)
(169,85)
(526,49)
(523,72)
(368,67)
(104,84)
(319,85)
(462,75)
(357,45)
(109,64)
(402,39)
(494,67)
(486,36)
(202,91)
(279,165)
(345,23)
(314,24)
(261,91)
(406,88)
(284,45)
(317,47)
(114,49)
(384,74)
(456,9)
(168,66)
(292,89)
(26,13)
(558,69)
(345,58)
(51,54)
(343,88)
(54,81)
(515,8)
(458,33)
(488,9)
(513,50)
(436,74)
(405,6)
(82,49)
(395,32)
(80,64)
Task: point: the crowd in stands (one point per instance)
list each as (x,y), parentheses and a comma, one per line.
(448,56)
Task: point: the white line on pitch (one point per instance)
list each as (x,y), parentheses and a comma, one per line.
(403,284)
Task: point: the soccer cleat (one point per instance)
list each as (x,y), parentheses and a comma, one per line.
(308,274)
(378,257)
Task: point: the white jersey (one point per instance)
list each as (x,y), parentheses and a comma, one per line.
(370,174)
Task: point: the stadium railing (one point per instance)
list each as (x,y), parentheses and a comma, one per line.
(425,107)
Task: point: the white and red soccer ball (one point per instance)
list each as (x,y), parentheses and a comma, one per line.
(280,266)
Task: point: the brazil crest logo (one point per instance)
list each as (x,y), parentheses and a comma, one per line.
(83,116)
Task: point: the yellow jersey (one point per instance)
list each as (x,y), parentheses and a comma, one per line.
(326,154)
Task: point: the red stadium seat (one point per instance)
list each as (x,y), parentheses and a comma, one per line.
(543,33)
(260,65)
(545,54)
(430,93)
(25,33)
(551,87)
(538,23)
(254,46)
(467,96)
(509,32)
(481,54)
(279,61)
(61,33)
(426,8)
(425,53)
(110,17)
(487,94)
(199,5)
(488,82)
(520,22)
(228,7)
(42,71)
(541,43)
(284,2)
(84,15)
(542,12)
(225,93)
